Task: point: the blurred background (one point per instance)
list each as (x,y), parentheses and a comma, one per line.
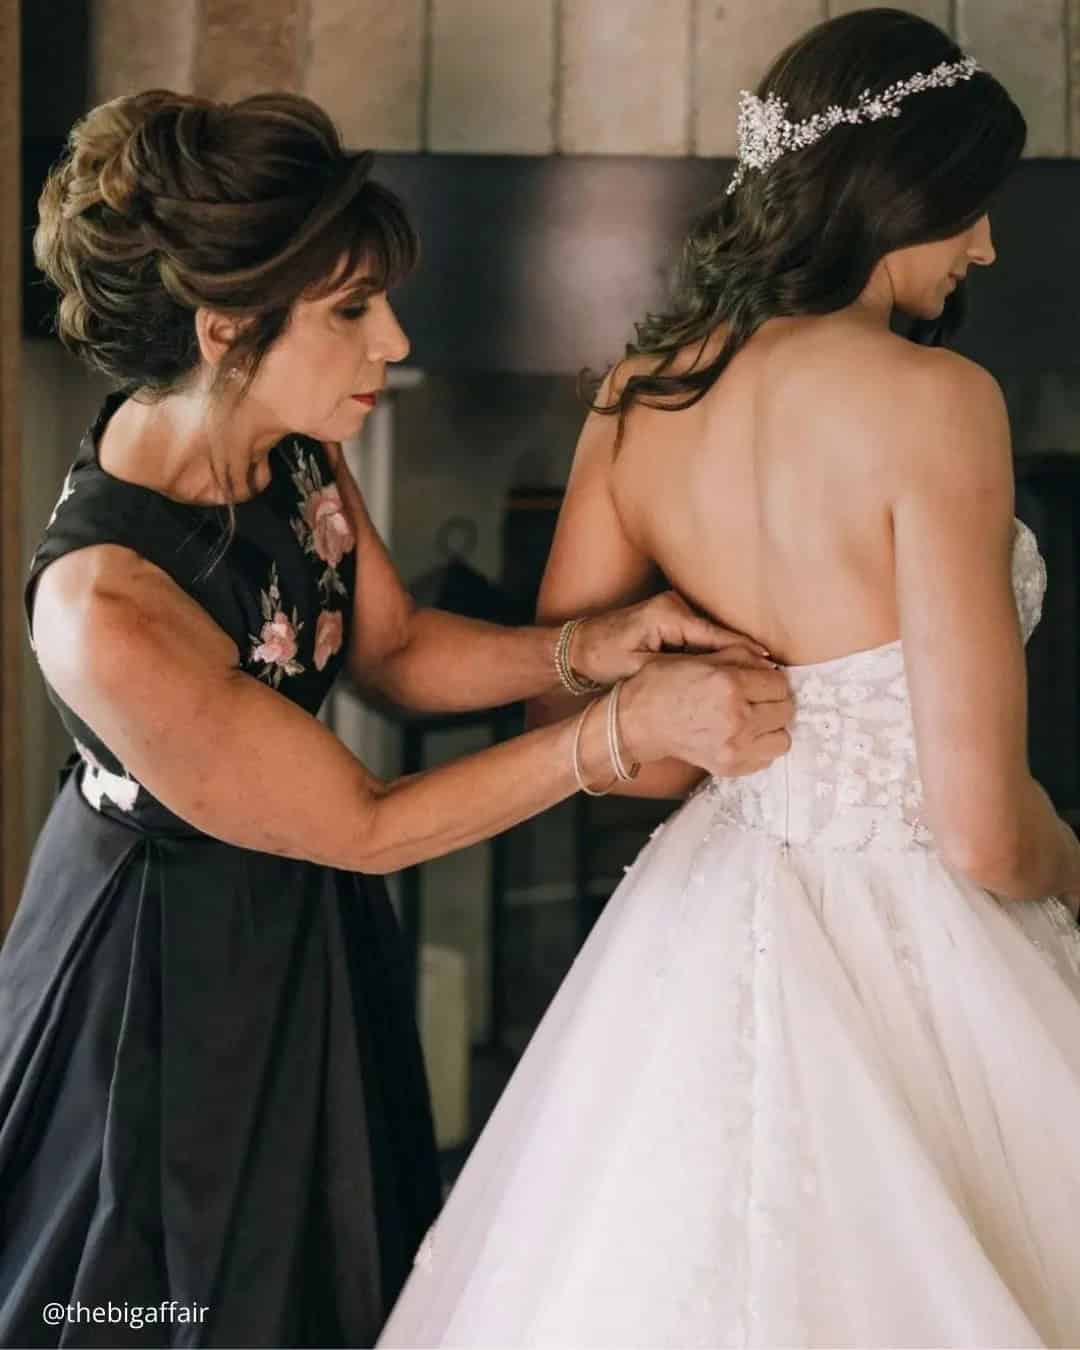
(553,152)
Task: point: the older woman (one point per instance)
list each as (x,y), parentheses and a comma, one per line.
(212,1104)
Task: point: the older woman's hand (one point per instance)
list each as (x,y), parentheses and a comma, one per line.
(616,645)
(727,716)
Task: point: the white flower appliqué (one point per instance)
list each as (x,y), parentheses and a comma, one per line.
(851,778)
(99,782)
(68,490)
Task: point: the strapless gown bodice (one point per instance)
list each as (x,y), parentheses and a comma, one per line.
(851,779)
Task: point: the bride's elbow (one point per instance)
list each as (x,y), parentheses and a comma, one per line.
(994,862)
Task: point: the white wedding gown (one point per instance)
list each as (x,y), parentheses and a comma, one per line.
(803,1086)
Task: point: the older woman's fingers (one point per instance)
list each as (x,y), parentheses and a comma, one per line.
(758,683)
(771,746)
(768,718)
(682,626)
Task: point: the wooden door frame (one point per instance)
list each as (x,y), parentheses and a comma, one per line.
(12,840)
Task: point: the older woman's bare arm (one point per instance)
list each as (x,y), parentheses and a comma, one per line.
(159,683)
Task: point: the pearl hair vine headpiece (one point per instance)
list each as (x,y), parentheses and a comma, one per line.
(765,134)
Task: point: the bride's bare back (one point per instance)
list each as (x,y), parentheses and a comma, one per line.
(767,504)
(837,489)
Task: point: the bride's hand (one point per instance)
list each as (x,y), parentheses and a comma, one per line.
(727,718)
(613,646)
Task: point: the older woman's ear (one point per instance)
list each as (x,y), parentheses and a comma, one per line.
(216,333)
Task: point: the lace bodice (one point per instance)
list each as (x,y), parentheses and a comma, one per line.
(851,780)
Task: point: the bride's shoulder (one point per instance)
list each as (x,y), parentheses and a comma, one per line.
(946,377)
(949,398)
(947,422)
(894,370)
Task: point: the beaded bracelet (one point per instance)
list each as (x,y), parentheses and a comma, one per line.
(568,677)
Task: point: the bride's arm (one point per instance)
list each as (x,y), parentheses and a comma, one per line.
(594,566)
(953,527)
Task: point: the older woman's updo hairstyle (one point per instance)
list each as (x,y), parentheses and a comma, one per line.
(165,203)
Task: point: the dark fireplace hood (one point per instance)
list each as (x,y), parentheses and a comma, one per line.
(542,264)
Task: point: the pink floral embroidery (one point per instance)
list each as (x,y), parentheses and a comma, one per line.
(328,636)
(331,532)
(276,644)
(322,527)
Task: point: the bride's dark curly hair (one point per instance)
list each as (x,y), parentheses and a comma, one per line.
(804,236)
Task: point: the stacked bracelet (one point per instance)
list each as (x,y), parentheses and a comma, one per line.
(578,774)
(568,678)
(623,774)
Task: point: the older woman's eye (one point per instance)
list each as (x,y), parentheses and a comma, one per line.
(353,311)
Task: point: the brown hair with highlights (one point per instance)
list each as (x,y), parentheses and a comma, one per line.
(166,203)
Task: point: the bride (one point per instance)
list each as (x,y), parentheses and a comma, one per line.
(815,1078)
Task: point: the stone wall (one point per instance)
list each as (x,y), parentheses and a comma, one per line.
(546,76)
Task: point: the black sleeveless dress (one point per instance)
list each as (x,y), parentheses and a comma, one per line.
(211,1087)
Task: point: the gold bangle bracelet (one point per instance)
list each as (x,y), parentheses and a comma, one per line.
(623,774)
(578,774)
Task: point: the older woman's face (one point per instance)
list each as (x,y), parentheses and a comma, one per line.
(323,375)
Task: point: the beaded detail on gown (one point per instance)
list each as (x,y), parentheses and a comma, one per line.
(851,780)
(803,1086)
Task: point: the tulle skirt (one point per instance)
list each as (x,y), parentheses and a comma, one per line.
(785,1097)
